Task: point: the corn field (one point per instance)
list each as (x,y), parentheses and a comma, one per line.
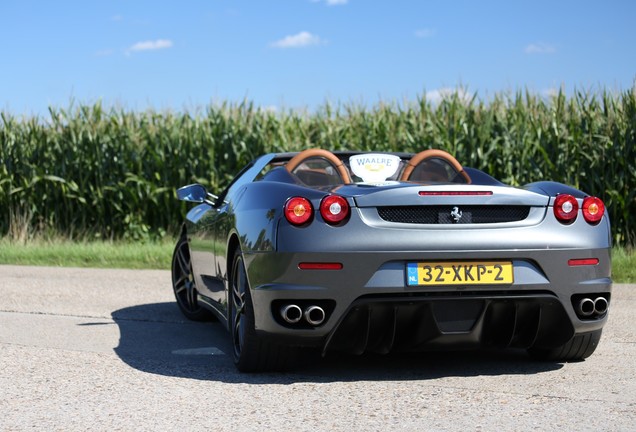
(90,172)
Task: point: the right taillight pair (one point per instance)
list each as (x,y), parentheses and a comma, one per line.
(566,209)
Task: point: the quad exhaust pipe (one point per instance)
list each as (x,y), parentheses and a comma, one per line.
(600,305)
(292,314)
(314,315)
(587,307)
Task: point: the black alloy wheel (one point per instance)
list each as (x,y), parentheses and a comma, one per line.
(183,284)
(250,352)
(239,319)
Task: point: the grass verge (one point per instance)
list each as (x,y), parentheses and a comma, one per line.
(98,254)
(158,255)
(624,265)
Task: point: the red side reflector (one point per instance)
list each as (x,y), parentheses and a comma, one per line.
(454,193)
(319,266)
(583,262)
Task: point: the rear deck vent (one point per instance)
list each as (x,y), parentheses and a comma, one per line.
(469,214)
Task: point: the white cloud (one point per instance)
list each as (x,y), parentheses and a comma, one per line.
(438,95)
(299,40)
(550,92)
(150,45)
(424,33)
(331,2)
(269,109)
(540,48)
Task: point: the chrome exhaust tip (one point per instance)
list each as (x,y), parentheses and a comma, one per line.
(586,307)
(600,305)
(315,315)
(291,313)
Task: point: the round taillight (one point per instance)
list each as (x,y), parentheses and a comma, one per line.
(593,209)
(566,208)
(298,211)
(334,209)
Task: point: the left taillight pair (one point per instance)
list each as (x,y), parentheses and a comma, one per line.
(566,209)
(334,209)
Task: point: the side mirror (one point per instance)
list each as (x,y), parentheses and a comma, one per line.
(195,193)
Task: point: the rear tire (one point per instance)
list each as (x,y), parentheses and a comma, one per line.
(578,348)
(251,353)
(183,285)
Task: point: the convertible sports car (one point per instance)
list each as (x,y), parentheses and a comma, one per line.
(380,252)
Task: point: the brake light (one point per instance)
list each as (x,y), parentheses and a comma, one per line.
(298,211)
(566,208)
(454,193)
(593,209)
(334,209)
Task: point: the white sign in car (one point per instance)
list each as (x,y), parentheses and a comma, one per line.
(374,167)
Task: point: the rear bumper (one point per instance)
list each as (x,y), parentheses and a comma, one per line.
(369,307)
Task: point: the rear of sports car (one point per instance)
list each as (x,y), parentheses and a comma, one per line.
(407,267)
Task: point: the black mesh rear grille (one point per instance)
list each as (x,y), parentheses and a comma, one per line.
(475,214)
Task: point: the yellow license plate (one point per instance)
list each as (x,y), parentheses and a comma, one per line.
(459,273)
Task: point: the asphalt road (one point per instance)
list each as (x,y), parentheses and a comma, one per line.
(84,349)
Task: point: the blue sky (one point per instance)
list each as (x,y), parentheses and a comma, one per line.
(297,54)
